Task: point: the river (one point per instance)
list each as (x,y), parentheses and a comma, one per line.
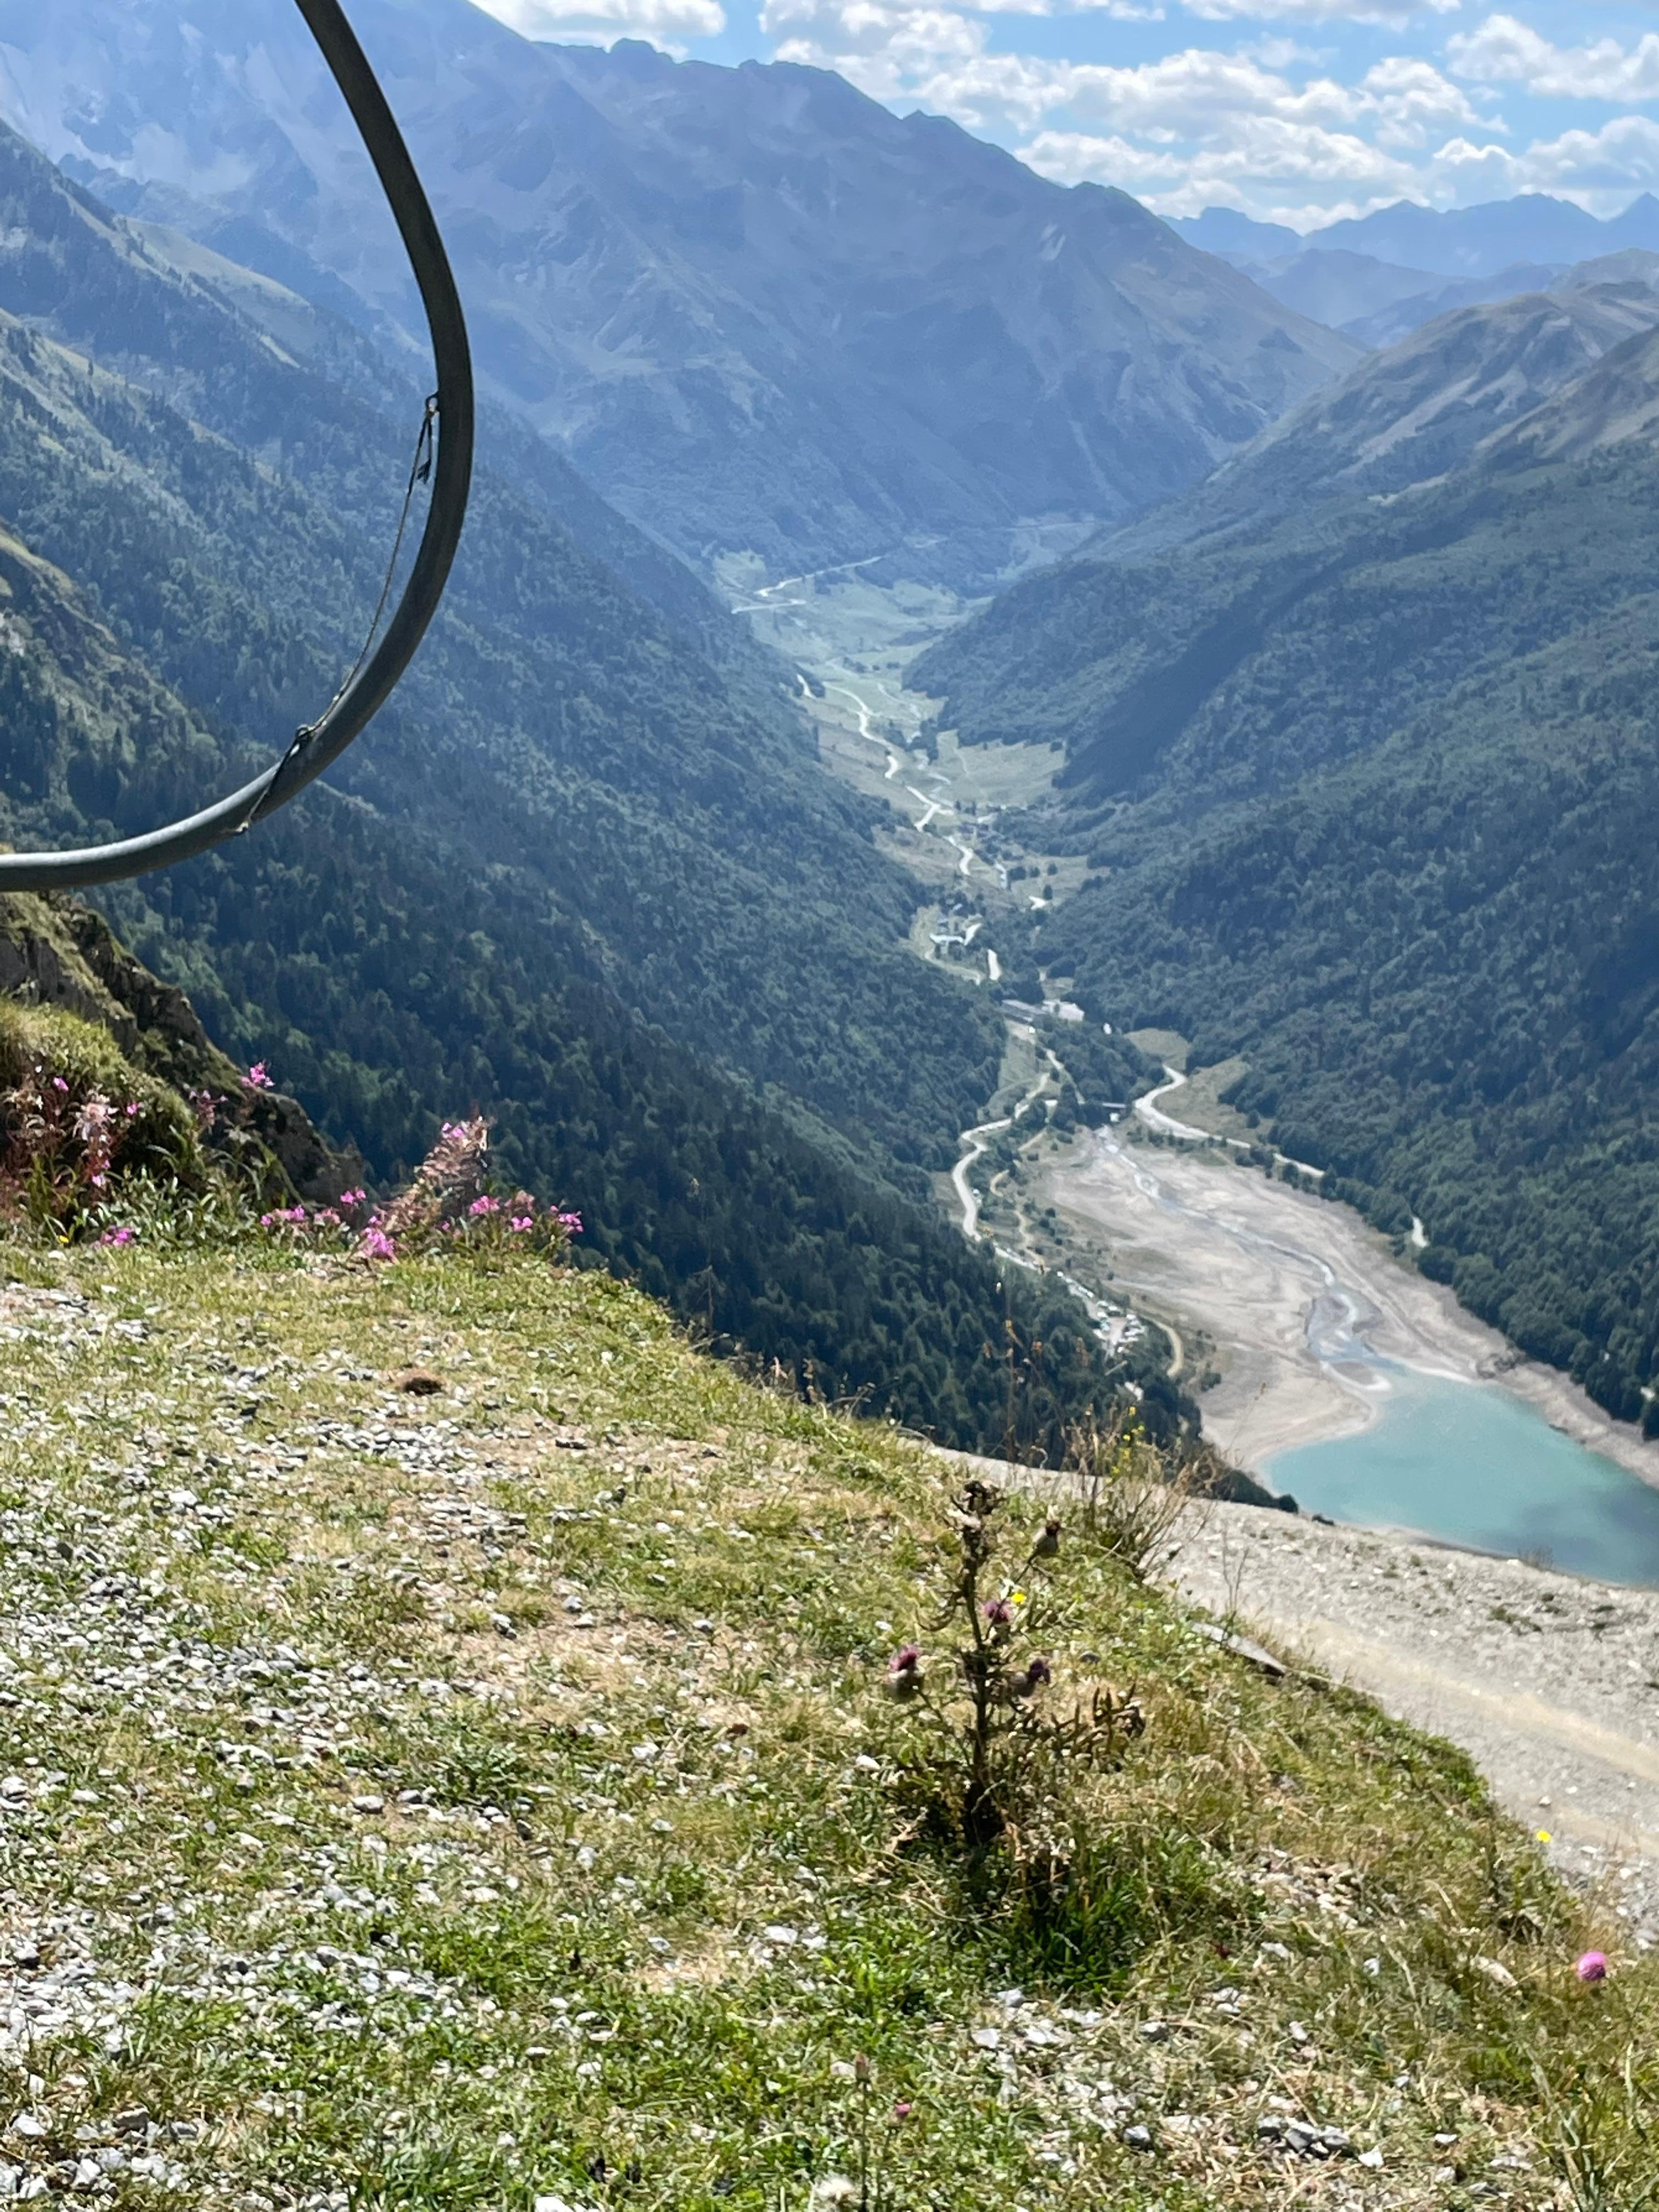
(1336,1372)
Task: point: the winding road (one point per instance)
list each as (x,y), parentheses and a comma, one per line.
(1148,1110)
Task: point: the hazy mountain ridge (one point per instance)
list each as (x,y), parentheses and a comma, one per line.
(758,309)
(1379,277)
(1110,652)
(1473,241)
(1419,409)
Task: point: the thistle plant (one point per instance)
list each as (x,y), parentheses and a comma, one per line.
(999,1740)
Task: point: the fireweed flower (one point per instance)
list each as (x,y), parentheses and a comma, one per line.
(1592,1967)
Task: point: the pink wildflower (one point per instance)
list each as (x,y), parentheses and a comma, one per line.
(118,1236)
(481,1208)
(1592,1967)
(571,1224)
(521,1224)
(257,1078)
(377,1245)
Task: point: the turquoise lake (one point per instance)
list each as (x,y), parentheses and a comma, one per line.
(1469,1464)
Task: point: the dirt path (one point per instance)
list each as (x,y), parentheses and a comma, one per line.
(1550,1683)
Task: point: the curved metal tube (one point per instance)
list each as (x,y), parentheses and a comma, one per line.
(314,749)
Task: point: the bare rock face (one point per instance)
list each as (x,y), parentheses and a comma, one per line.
(57,953)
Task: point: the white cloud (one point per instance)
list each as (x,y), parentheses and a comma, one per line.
(1504,50)
(1396,12)
(1252,163)
(671,24)
(1266,124)
(1600,169)
(1413,103)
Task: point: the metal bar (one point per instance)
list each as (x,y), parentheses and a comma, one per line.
(369,689)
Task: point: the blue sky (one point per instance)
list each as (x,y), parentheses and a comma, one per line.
(1298,111)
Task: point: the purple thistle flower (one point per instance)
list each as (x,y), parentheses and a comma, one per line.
(1592,1967)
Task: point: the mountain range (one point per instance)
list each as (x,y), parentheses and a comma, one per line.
(1471,241)
(1377,278)
(763,314)
(1366,787)
(586,876)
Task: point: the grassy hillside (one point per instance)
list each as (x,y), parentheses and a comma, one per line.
(461,1799)
(1367,800)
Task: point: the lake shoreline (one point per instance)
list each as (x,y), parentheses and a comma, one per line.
(1288,1288)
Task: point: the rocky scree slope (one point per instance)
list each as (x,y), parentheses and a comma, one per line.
(760,311)
(488,1796)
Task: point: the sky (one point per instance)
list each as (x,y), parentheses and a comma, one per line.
(1292,110)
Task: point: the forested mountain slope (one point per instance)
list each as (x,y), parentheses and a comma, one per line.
(758,308)
(578,877)
(1418,410)
(1371,804)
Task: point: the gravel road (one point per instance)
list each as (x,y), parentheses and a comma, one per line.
(1551,1684)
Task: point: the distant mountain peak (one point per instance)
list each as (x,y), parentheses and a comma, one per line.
(1471,241)
(761,311)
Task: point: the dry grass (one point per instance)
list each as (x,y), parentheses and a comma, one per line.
(553,1844)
